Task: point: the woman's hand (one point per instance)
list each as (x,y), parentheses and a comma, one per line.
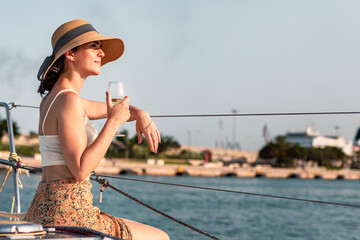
(144,125)
(119,112)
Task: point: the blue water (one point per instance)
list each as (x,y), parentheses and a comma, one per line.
(229,216)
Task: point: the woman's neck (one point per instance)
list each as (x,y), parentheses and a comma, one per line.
(70,82)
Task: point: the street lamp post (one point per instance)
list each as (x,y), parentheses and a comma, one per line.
(234,130)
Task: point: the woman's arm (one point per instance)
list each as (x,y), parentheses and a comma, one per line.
(98,110)
(80,159)
(144,124)
(95,110)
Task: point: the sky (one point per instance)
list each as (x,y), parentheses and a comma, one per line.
(202,57)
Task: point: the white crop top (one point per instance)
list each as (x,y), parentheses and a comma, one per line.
(51,153)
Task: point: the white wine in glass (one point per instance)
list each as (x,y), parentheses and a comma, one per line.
(117,93)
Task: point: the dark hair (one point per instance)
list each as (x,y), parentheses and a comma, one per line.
(53,75)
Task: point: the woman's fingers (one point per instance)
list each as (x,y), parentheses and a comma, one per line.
(155,138)
(139,135)
(126,100)
(120,112)
(158,135)
(108,100)
(152,145)
(145,125)
(152,136)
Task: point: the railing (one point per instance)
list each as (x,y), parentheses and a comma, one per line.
(8,107)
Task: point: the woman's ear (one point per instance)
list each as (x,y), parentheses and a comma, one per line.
(69,55)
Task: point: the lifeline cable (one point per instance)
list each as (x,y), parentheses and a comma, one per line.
(25,106)
(237,192)
(35,169)
(252,114)
(26,167)
(106,183)
(233,114)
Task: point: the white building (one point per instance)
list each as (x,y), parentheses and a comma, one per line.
(311,138)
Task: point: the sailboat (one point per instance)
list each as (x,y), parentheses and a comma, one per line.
(16,229)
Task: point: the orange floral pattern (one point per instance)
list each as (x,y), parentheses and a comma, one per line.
(69,203)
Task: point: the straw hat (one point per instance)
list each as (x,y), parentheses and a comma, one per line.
(75,33)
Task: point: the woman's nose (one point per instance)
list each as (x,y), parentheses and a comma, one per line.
(101,53)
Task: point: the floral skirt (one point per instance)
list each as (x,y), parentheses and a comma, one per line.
(69,203)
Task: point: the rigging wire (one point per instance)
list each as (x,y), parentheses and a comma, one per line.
(36,169)
(25,106)
(22,166)
(252,114)
(232,191)
(106,183)
(234,114)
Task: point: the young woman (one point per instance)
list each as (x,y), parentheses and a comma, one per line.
(70,146)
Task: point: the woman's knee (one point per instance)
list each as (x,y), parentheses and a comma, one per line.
(141,231)
(161,235)
(150,233)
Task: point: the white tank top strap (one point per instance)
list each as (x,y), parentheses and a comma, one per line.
(47,112)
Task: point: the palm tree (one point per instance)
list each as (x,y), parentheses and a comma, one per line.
(4,129)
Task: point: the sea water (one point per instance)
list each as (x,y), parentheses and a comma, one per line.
(227,216)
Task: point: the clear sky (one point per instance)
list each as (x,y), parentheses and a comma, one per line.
(202,57)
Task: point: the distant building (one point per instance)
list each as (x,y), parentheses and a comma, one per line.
(311,138)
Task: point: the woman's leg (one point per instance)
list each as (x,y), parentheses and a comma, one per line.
(141,231)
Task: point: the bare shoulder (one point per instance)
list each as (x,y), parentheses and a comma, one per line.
(70,101)
(70,112)
(70,96)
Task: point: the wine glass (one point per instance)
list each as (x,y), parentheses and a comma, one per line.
(117,93)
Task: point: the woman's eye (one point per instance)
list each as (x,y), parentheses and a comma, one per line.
(94,45)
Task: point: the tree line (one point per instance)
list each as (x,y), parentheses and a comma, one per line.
(4,129)
(122,147)
(286,154)
(128,147)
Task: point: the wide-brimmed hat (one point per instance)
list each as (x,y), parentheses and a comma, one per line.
(75,33)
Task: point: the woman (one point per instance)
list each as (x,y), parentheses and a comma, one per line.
(70,146)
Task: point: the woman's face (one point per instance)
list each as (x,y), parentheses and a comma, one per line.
(87,58)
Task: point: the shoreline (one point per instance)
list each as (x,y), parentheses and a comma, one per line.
(158,168)
(117,167)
